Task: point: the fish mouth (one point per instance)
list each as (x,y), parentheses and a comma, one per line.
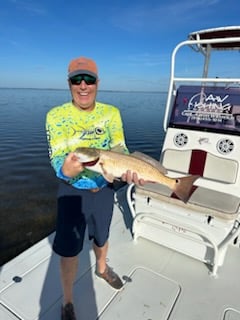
(90,163)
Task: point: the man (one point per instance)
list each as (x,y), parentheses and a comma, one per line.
(84,197)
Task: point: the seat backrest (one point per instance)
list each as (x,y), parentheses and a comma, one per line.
(200,162)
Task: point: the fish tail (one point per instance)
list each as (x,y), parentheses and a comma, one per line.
(183,187)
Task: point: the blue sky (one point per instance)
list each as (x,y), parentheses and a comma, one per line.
(131,41)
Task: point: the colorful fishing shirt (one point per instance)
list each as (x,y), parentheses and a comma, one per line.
(69,127)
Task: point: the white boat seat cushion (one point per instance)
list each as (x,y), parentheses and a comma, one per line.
(208,166)
(202,200)
(201,163)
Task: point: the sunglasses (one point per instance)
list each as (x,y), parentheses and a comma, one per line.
(76,80)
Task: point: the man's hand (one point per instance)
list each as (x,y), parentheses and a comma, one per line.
(131,177)
(71,166)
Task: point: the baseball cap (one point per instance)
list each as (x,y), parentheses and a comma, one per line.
(82,65)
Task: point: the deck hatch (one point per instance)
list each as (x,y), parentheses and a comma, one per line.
(231,314)
(5,314)
(30,298)
(147,296)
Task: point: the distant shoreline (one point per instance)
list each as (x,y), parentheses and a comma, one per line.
(52,89)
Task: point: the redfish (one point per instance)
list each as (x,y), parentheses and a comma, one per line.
(113,164)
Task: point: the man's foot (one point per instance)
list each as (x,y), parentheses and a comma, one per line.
(68,312)
(110,277)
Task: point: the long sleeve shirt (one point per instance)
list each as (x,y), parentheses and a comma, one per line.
(68,127)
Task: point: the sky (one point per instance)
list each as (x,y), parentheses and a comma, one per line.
(131,41)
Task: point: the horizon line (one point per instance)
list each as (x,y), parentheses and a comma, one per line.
(100,90)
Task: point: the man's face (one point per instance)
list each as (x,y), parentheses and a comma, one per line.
(84,91)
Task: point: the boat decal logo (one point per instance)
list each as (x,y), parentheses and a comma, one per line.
(208,107)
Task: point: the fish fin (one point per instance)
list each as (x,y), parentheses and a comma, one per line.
(150,160)
(107,176)
(183,187)
(119,148)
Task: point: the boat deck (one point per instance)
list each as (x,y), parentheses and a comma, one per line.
(159,282)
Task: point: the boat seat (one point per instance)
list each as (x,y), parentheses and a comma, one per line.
(203,227)
(210,167)
(202,163)
(202,200)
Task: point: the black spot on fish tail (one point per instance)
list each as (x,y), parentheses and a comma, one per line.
(183,187)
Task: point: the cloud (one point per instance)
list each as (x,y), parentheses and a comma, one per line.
(184,7)
(144,17)
(32,7)
(145,60)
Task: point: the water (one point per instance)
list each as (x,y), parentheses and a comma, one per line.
(28,184)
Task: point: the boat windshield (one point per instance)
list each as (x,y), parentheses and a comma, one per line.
(214,109)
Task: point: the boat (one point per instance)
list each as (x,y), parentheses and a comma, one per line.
(178,261)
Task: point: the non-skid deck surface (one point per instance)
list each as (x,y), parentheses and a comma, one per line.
(146,296)
(159,283)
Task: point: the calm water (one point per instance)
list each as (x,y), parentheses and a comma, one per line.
(28,184)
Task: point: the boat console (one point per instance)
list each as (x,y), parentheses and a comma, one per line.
(202,125)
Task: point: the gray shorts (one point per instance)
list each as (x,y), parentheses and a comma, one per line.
(78,209)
